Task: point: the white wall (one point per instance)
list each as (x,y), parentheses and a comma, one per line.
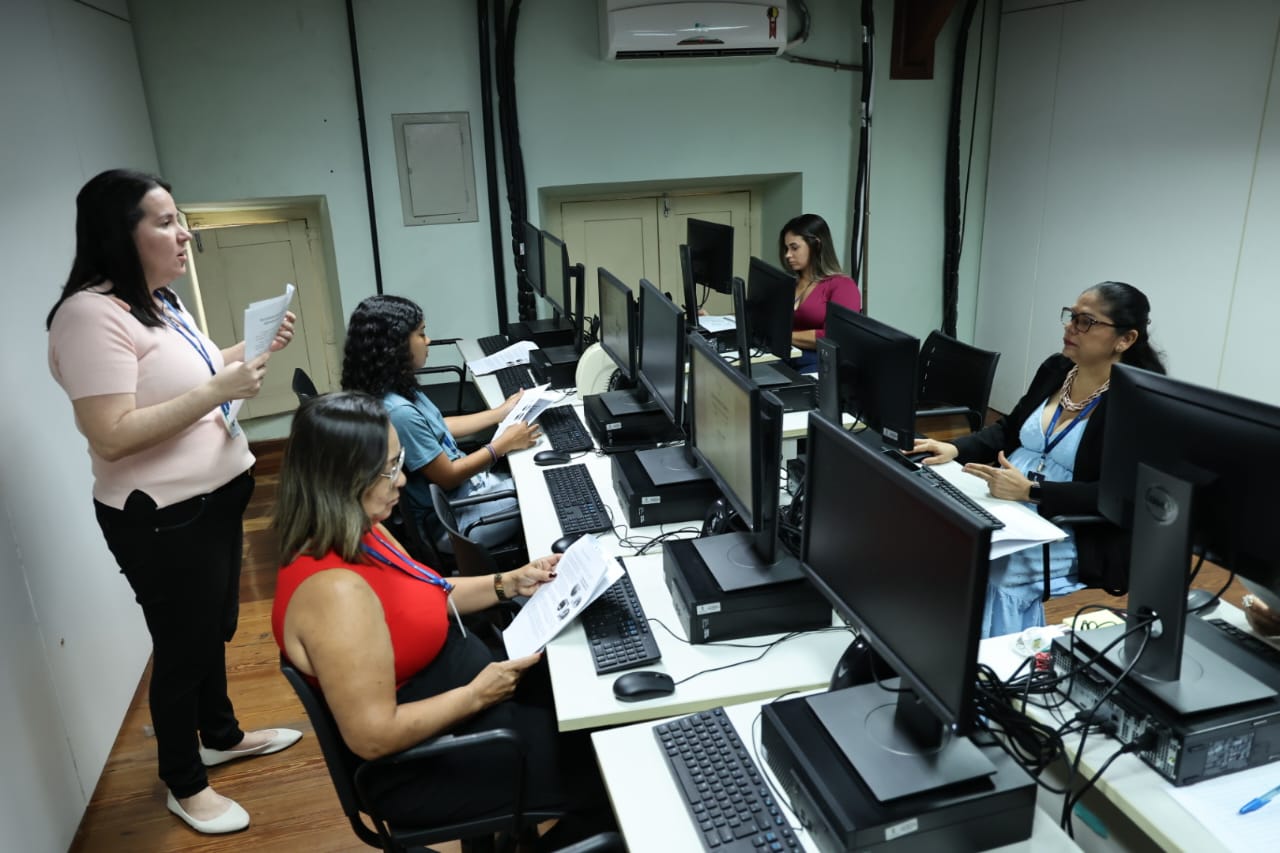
(74,643)
(1132,140)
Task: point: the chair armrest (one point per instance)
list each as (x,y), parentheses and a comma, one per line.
(485,498)
(604,842)
(1064,520)
(506,515)
(441,368)
(443,341)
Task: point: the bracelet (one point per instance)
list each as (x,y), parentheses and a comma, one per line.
(497,586)
(493,454)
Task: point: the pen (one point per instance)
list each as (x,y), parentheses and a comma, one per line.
(1258,802)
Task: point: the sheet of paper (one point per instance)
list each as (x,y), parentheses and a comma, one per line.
(1023,527)
(529,406)
(517,353)
(583,573)
(1216,804)
(718,323)
(261,321)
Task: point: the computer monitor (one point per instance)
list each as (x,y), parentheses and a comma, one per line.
(908,569)
(1186,468)
(689,289)
(561,280)
(769,306)
(617,322)
(533,271)
(736,432)
(710,253)
(875,375)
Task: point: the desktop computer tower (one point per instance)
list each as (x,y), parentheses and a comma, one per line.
(556,366)
(639,429)
(646,503)
(544,333)
(833,802)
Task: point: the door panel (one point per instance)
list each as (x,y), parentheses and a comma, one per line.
(733,208)
(620,235)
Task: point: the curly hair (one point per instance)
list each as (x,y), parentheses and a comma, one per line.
(376,358)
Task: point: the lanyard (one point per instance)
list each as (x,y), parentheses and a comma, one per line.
(415,570)
(189,335)
(1050,445)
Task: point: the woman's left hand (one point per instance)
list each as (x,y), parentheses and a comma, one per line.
(509,404)
(1003,481)
(284,334)
(526,579)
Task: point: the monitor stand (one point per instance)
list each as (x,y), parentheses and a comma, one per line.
(669,465)
(866,722)
(768,375)
(734,562)
(620,403)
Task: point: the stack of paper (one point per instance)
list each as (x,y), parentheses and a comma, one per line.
(517,353)
(582,576)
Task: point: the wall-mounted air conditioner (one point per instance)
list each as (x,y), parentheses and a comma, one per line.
(662,29)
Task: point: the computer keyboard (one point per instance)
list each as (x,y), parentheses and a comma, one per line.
(513,377)
(727,797)
(618,630)
(935,479)
(576,500)
(564,429)
(492,343)
(1247,641)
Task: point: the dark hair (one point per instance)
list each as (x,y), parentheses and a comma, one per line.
(376,358)
(813,229)
(107,212)
(337,449)
(1129,309)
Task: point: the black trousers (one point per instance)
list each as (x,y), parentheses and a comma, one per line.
(183,563)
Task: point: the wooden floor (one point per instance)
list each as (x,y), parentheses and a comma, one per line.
(288,795)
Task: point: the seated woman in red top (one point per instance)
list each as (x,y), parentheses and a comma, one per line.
(379,631)
(805,247)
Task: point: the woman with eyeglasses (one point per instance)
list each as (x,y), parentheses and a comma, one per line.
(382,636)
(386,342)
(171,469)
(806,248)
(1048,452)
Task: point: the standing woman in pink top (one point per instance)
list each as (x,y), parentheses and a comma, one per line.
(171,469)
(805,247)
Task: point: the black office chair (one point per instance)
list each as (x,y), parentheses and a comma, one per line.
(303,387)
(1064,521)
(458,397)
(954,379)
(470,557)
(353,779)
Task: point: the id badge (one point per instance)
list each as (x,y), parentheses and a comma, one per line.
(231,423)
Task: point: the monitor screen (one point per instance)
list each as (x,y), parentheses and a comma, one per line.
(770,306)
(876,373)
(555,258)
(617,322)
(662,351)
(710,253)
(908,568)
(533,271)
(723,406)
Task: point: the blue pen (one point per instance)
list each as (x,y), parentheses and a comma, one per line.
(1258,802)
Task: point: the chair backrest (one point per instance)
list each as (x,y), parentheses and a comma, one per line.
(340,761)
(303,387)
(472,557)
(955,373)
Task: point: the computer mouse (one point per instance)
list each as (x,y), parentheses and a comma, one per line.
(642,685)
(562,544)
(551,457)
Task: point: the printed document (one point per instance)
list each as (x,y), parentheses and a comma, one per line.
(718,323)
(529,406)
(517,353)
(262,320)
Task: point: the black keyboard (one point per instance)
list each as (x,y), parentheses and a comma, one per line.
(935,479)
(618,630)
(564,429)
(576,500)
(514,377)
(493,343)
(727,797)
(1247,641)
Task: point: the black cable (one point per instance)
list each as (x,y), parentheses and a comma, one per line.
(491,162)
(766,647)
(364,145)
(951,187)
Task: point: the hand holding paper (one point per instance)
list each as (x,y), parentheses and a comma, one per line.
(267,320)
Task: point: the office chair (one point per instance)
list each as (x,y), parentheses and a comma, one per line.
(954,379)
(1061,521)
(459,397)
(353,779)
(472,558)
(303,387)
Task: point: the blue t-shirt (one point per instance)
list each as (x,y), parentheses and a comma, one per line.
(424,436)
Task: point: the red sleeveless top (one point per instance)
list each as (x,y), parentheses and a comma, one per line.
(416,611)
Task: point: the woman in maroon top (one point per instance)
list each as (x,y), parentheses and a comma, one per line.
(380,632)
(805,247)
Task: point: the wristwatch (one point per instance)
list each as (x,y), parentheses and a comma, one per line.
(497,586)
(1034,493)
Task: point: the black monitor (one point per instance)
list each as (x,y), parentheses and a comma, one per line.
(736,432)
(710,253)
(689,289)
(661,372)
(1185,467)
(907,569)
(561,281)
(770,307)
(533,271)
(875,375)
(617,322)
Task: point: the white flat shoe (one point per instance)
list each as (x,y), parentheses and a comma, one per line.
(233,819)
(283,739)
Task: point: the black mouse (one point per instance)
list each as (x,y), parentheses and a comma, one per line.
(562,544)
(550,457)
(641,685)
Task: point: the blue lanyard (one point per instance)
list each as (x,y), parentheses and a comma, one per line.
(189,335)
(413,569)
(1050,445)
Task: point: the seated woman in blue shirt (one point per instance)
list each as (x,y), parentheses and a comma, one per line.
(1048,453)
(386,342)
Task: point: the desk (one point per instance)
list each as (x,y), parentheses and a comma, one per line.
(651,811)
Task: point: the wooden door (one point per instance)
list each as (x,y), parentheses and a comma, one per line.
(730,208)
(620,235)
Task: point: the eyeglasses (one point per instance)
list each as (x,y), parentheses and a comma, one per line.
(394,471)
(1082,323)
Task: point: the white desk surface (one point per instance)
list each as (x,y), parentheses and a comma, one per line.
(651,811)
